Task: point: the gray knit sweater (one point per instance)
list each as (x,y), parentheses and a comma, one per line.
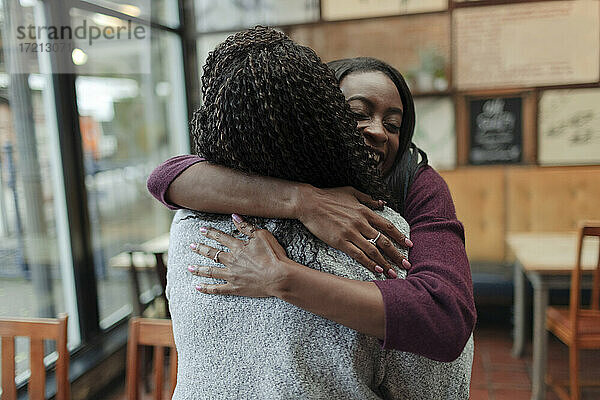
(234,347)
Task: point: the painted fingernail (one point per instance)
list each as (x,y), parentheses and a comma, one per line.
(200,288)
(193,246)
(408,242)
(203,230)
(378,269)
(236,218)
(406,264)
(392,274)
(191,268)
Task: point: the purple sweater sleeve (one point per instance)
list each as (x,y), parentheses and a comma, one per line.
(432,311)
(161,178)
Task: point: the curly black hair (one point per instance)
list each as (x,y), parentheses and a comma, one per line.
(272,108)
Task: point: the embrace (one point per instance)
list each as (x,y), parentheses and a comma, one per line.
(347,276)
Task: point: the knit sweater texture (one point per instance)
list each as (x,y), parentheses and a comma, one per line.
(232,347)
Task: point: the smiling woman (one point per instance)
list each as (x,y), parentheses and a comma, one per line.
(377,106)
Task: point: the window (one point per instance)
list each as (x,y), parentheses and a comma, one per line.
(131,103)
(36,272)
(164,12)
(132,108)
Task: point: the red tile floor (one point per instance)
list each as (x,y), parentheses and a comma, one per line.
(498,376)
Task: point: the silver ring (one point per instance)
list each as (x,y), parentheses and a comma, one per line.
(374,241)
(216,257)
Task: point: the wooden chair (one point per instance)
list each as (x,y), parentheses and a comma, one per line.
(157,333)
(575,326)
(37,330)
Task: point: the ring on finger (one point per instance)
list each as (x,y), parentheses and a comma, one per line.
(374,241)
(216,257)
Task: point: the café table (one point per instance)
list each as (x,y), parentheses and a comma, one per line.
(144,256)
(546,260)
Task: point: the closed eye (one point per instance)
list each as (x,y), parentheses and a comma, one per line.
(392,127)
(360,116)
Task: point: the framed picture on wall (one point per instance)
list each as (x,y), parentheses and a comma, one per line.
(526,44)
(418,46)
(335,10)
(435,130)
(569,127)
(496,128)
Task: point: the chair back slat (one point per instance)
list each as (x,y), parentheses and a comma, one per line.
(595,305)
(159,371)
(173,371)
(157,333)
(586,229)
(133,361)
(63,388)
(9,388)
(37,381)
(37,330)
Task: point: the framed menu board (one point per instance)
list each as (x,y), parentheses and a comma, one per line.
(525,45)
(495,133)
(569,127)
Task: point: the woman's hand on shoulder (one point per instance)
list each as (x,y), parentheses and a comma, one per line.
(343,218)
(252,268)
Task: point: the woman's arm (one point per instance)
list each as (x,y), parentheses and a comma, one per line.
(261,268)
(340,217)
(431,312)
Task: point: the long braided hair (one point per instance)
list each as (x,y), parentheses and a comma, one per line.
(407,163)
(272,108)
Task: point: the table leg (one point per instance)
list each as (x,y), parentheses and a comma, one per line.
(519,311)
(540,339)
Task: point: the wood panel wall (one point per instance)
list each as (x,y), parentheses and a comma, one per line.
(491,201)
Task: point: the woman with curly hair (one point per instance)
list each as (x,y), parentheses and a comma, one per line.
(264,94)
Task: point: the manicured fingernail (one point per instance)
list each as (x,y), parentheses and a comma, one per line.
(236,218)
(406,264)
(392,274)
(193,246)
(200,288)
(378,269)
(203,230)
(191,268)
(408,242)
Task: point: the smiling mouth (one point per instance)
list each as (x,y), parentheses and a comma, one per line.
(378,157)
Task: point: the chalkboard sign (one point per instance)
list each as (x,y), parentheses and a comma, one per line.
(495,130)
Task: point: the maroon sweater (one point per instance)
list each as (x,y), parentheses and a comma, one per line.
(432,311)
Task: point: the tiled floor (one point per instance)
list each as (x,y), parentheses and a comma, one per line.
(498,376)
